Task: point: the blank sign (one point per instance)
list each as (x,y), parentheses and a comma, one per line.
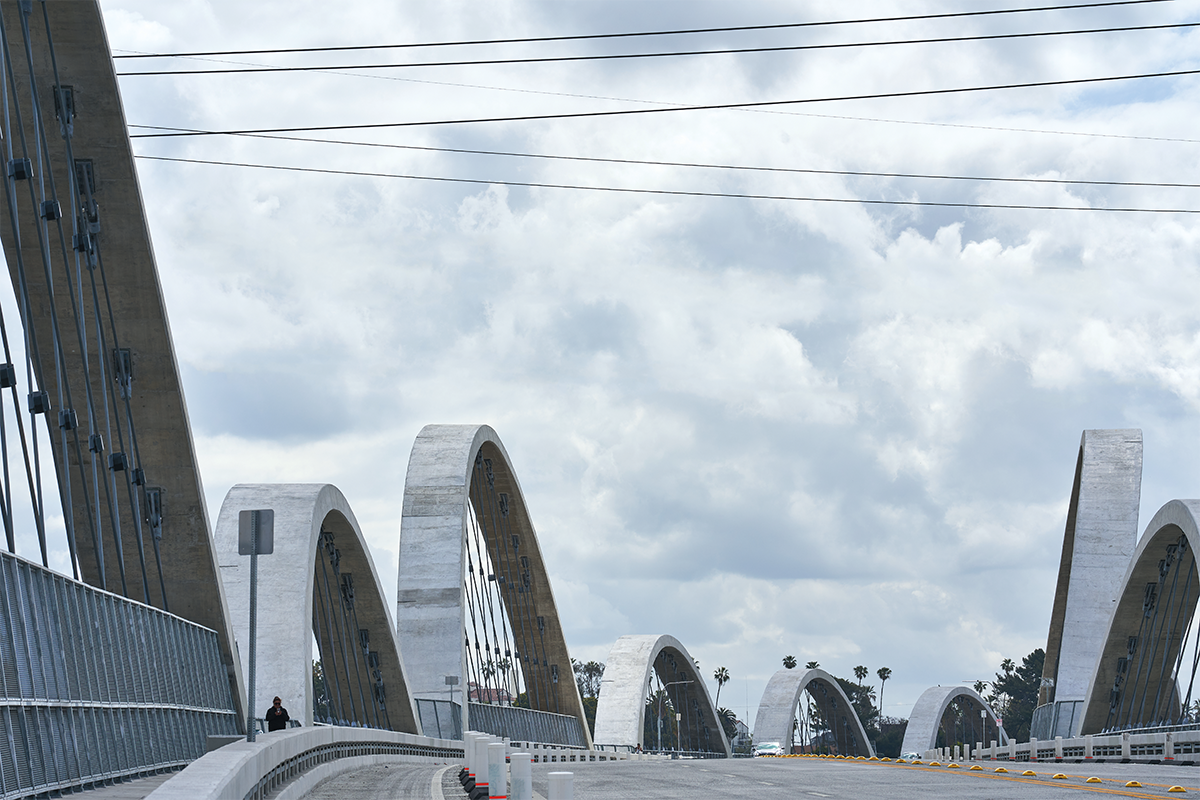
(266,532)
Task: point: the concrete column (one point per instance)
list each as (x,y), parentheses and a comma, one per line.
(1087,747)
(1169,747)
(978,752)
(1033,748)
(1058,748)
(992,750)
(562,786)
(521,779)
(1012,749)
(1126,751)
(497,771)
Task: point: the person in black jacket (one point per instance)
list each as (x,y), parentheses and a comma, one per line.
(277,716)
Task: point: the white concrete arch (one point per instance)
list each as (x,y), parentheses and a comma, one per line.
(930,709)
(438,491)
(777,709)
(311,520)
(1134,682)
(621,706)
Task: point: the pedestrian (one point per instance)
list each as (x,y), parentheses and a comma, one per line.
(277,716)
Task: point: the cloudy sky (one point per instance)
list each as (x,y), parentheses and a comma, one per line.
(838,430)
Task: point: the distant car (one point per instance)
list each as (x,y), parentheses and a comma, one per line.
(910,756)
(768,749)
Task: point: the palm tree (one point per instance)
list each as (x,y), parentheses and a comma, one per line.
(884,673)
(721,676)
(789,662)
(812,665)
(860,672)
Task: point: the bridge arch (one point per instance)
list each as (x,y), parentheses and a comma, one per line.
(932,713)
(781,698)
(467,544)
(319,582)
(1141,671)
(621,706)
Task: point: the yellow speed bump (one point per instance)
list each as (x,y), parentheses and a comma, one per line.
(1029,772)
(952,765)
(917,761)
(1177,789)
(933,763)
(1093,779)
(1133,785)
(976,767)
(999,769)
(1058,776)
(885,758)
(873,758)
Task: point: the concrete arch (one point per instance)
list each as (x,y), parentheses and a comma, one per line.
(777,709)
(308,519)
(429,604)
(1134,681)
(1100,539)
(621,706)
(930,710)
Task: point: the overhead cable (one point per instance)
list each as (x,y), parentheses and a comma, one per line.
(675,192)
(699,165)
(710,107)
(582,37)
(674,54)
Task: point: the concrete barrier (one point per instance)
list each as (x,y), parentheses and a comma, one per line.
(275,760)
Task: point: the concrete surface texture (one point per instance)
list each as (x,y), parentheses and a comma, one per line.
(621,706)
(777,708)
(1099,541)
(100,136)
(1140,652)
(433,528)
(286,606)
(928,711)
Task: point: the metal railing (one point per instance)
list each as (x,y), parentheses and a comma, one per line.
(526,725)
(94,687)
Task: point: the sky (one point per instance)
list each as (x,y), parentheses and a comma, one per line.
(844,431)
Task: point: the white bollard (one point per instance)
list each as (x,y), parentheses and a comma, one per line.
(562,786)
(481,767)
(469,752)
(521,779)
(497,771)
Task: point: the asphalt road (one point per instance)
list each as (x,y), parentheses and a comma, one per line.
(791,778)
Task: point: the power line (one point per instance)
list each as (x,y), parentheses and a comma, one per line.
(673,54)
(712,107)
(698,165)
(671,192)
(581,37)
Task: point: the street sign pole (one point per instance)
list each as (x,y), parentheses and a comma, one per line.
(255,535)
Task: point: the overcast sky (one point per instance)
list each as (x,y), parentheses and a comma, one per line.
(841,431)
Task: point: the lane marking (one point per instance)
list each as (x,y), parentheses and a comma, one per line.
(435,783)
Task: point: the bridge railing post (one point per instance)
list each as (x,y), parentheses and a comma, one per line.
(1126,749)
(1058,748)
(992,750)
(1087,747)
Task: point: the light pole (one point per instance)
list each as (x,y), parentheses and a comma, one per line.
(663,691)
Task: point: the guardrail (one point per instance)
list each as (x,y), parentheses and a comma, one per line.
(299,756)
(1157,746)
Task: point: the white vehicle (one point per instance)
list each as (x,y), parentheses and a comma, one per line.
(768,749)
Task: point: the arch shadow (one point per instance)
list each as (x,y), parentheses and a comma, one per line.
(621,706)
(320,581)
(781,698)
